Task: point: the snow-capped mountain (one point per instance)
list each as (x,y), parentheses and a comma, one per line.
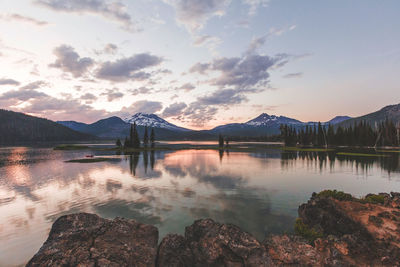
(264,120)
(152,120)
(266,124)
(262,125)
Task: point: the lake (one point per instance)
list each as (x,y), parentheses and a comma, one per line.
(258,191)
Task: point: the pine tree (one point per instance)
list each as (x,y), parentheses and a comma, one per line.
(118,143)
(330,136)
(126,143)
(136,140)
(221,141)
(320,135)
(145,137)
(131,136)
(152,138)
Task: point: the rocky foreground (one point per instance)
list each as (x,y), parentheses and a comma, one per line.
(333,229)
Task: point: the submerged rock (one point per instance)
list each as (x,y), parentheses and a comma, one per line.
(87,240)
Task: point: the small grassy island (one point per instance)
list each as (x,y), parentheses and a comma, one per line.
(90,160)
(71,147)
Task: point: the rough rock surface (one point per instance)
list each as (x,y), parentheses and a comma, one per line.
(292,250)
(174,251)
(345,232)
(356,232)
(208,243)
(87,240)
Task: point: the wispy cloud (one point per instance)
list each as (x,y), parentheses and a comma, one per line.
(173,110)
(193,14)
(22,18)
(112,94)
(143,106)
(258,42)
(6,81)
(70,61)
(109,49)
(130,68)
(255,4)
(293,75)
(113,10)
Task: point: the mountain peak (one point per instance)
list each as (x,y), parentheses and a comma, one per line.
(152,120)
(265,119)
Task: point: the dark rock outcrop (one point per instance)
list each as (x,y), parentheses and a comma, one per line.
(292,250)
(338,230)
(208,243)
(174,251)
(357,231)
(88,240)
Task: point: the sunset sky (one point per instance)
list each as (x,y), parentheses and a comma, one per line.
(199,63)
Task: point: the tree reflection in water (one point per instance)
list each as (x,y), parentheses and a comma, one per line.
(389,162)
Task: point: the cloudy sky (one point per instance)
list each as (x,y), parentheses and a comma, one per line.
(199,63)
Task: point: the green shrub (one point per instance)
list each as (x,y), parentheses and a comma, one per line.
(339,195)
(301,229)
(374,199)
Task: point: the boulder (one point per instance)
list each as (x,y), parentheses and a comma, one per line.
(87,240)
(208,243)
(355,231)
(174,251)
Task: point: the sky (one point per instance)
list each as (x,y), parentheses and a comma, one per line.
(199,63)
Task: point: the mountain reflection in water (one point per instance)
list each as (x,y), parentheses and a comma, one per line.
(260,192)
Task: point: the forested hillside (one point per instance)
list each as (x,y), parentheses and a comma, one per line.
(16,128)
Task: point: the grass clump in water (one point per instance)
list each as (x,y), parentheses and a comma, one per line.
(90,160)
(388,151)
(302,229)
(70,147)
(339,195)
(287,148)
(359,154)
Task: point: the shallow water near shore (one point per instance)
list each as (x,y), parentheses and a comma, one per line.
(259,191)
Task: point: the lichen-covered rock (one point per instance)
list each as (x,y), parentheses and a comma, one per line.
(208,243)
(358,231)
(87,240)
(292,250)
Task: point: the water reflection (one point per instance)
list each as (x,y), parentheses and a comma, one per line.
(389,162)
(260,191)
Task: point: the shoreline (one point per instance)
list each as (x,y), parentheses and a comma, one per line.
(333,228)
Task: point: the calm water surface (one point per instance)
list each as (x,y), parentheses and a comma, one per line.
(260,192)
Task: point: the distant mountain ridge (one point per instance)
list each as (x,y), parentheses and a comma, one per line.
(338,119)
(266,124)
(115,127)
(18,128)
(391,112)
(262,125)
